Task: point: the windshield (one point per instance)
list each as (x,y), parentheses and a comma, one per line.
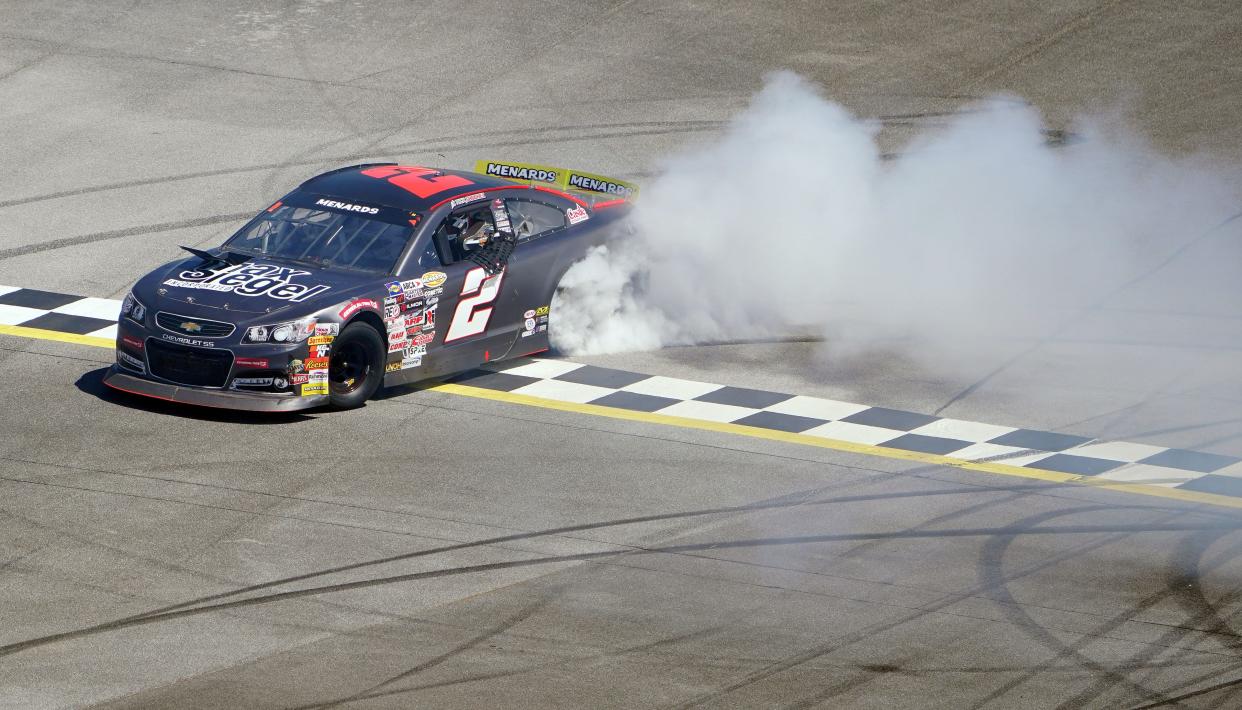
(323,238)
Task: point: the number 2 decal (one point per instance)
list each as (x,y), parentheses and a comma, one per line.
(421,182)
(474,307)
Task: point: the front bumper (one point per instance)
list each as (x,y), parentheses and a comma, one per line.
(224,399)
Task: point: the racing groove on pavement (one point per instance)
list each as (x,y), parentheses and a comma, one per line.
(1064,458)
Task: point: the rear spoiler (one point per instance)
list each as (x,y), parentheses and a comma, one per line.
(595,188)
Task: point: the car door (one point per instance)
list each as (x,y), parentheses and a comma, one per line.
(461,301)
(534,267)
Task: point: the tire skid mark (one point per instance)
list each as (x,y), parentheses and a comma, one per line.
(1167,702)
(1033,48)
(505,625)
(865,633)
(119,233)
(427,144)
(1188,593)
(1099,304)
(563,663)
(603,555)
(493,541)
(989,568)
(76,50)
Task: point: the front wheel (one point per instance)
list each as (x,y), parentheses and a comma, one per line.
(356,367)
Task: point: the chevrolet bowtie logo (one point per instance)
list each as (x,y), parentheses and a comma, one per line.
(191,327)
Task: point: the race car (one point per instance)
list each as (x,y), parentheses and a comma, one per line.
(370,275)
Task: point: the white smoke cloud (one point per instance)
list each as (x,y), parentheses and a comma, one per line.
(980,230)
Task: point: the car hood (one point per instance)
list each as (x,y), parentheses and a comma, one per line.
(255,286)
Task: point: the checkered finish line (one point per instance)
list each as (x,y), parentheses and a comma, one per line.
(60,312)
(862,424)
(571,382)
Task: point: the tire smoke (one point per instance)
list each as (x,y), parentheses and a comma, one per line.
(980,231)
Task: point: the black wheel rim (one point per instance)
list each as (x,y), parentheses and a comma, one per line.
(349,367)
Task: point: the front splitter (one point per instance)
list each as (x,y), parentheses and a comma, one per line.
(220,399)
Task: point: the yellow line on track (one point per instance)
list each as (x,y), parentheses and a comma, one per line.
(56,335)
(743,430)
(837,445)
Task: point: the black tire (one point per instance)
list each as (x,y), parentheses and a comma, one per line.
(356,366)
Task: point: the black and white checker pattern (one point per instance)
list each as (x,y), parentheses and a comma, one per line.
(846,421)
(63,313)
(862,424)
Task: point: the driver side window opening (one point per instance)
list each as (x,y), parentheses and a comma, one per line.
(464,231)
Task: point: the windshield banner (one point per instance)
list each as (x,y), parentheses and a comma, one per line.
(557,177)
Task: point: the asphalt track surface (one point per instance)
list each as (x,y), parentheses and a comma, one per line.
(434,550)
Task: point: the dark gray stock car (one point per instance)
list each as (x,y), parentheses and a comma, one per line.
(368,275)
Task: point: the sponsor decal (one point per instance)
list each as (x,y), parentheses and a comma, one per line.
(184,341)
(530,323)
(393,325)
(392,311)
(542,310)
(529,314)
(316,363)
(414,320)
(412,285)
(130,361)
(357,305)
(259,363)
(423,338)
(413,351)
(328,329)
(541,328)
(347,207)
(433,300)
(543,319)
(390,301)
(398,346)
(299,379)
(250,279)
(527,333)
(394,288)
(320,339)
(577,214)
(313,388)
(433,291)
(295,366)
(411,362)
(518,171)
(432,279)
(317,376)
(429,319)
(466,200)
(252,381)
(135,343)
(396,335)
(392,367)
(319,350)
(598,183)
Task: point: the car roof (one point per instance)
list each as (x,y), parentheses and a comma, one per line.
(382,184)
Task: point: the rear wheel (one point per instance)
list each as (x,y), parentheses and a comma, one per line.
(356,367)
